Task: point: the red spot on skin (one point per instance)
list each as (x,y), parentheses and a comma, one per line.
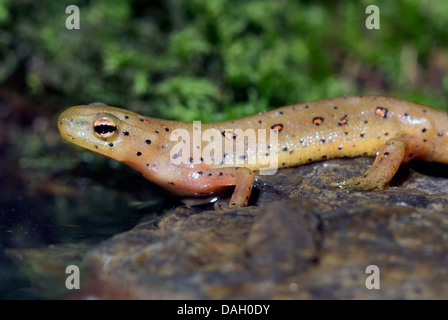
(229,135)
(145,121)
(344,120)
(380,111)
(277,128)
(318,121)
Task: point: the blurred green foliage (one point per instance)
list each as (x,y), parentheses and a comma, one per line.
(218,59)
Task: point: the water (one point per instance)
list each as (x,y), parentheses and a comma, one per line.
(49,220)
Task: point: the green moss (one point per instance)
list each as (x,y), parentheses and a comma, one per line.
(216,59)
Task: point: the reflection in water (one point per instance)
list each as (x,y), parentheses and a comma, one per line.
(47,220)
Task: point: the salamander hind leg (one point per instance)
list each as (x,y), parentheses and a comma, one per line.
(386,164)
(242,178)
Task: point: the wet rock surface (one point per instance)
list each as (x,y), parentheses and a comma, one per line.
(312,242)
(300,239)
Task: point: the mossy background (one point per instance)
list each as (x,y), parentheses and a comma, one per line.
(206,60)
(219,59)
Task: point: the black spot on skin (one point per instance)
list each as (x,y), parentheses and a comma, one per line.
(291,152)
(362,135)
(200,172)
(424,140)
(175,156)
(302,140)
(125,133)
(386,153)
(202,159)
(156,132)
(386,134)
(285,149)
(340,148)
(310,159)
(425,111)
(172,183)
(335,107)
(167,129)
(406,114)
(366,121)
(148,141)
(322,141)
(141,120)
(236,168)
(198,147)
(324,157)
(283,164)
(209,174)
(306,107)
(111,144)
(364,153)
(126,117)
(424,130)
(220,173)
(439,134)
(243,157)
(139,153)
(411,154)
(280,112)
(260,122)
(96,147)
(345,133)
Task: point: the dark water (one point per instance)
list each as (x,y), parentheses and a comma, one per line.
(48,220)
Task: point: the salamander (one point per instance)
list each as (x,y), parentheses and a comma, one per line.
(393,130)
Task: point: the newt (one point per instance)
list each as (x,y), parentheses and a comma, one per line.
(393,130)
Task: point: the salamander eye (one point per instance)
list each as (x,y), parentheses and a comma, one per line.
(105,127)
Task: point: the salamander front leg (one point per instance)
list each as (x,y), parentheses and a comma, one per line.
(383,169)
(242,178)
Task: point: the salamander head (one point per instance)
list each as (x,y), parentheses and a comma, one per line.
(115,133)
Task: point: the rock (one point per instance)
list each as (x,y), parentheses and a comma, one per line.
(298,240)
(315,242)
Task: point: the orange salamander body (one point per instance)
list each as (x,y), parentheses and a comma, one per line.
(395,131)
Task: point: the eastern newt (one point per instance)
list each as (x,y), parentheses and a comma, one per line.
(395,131)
